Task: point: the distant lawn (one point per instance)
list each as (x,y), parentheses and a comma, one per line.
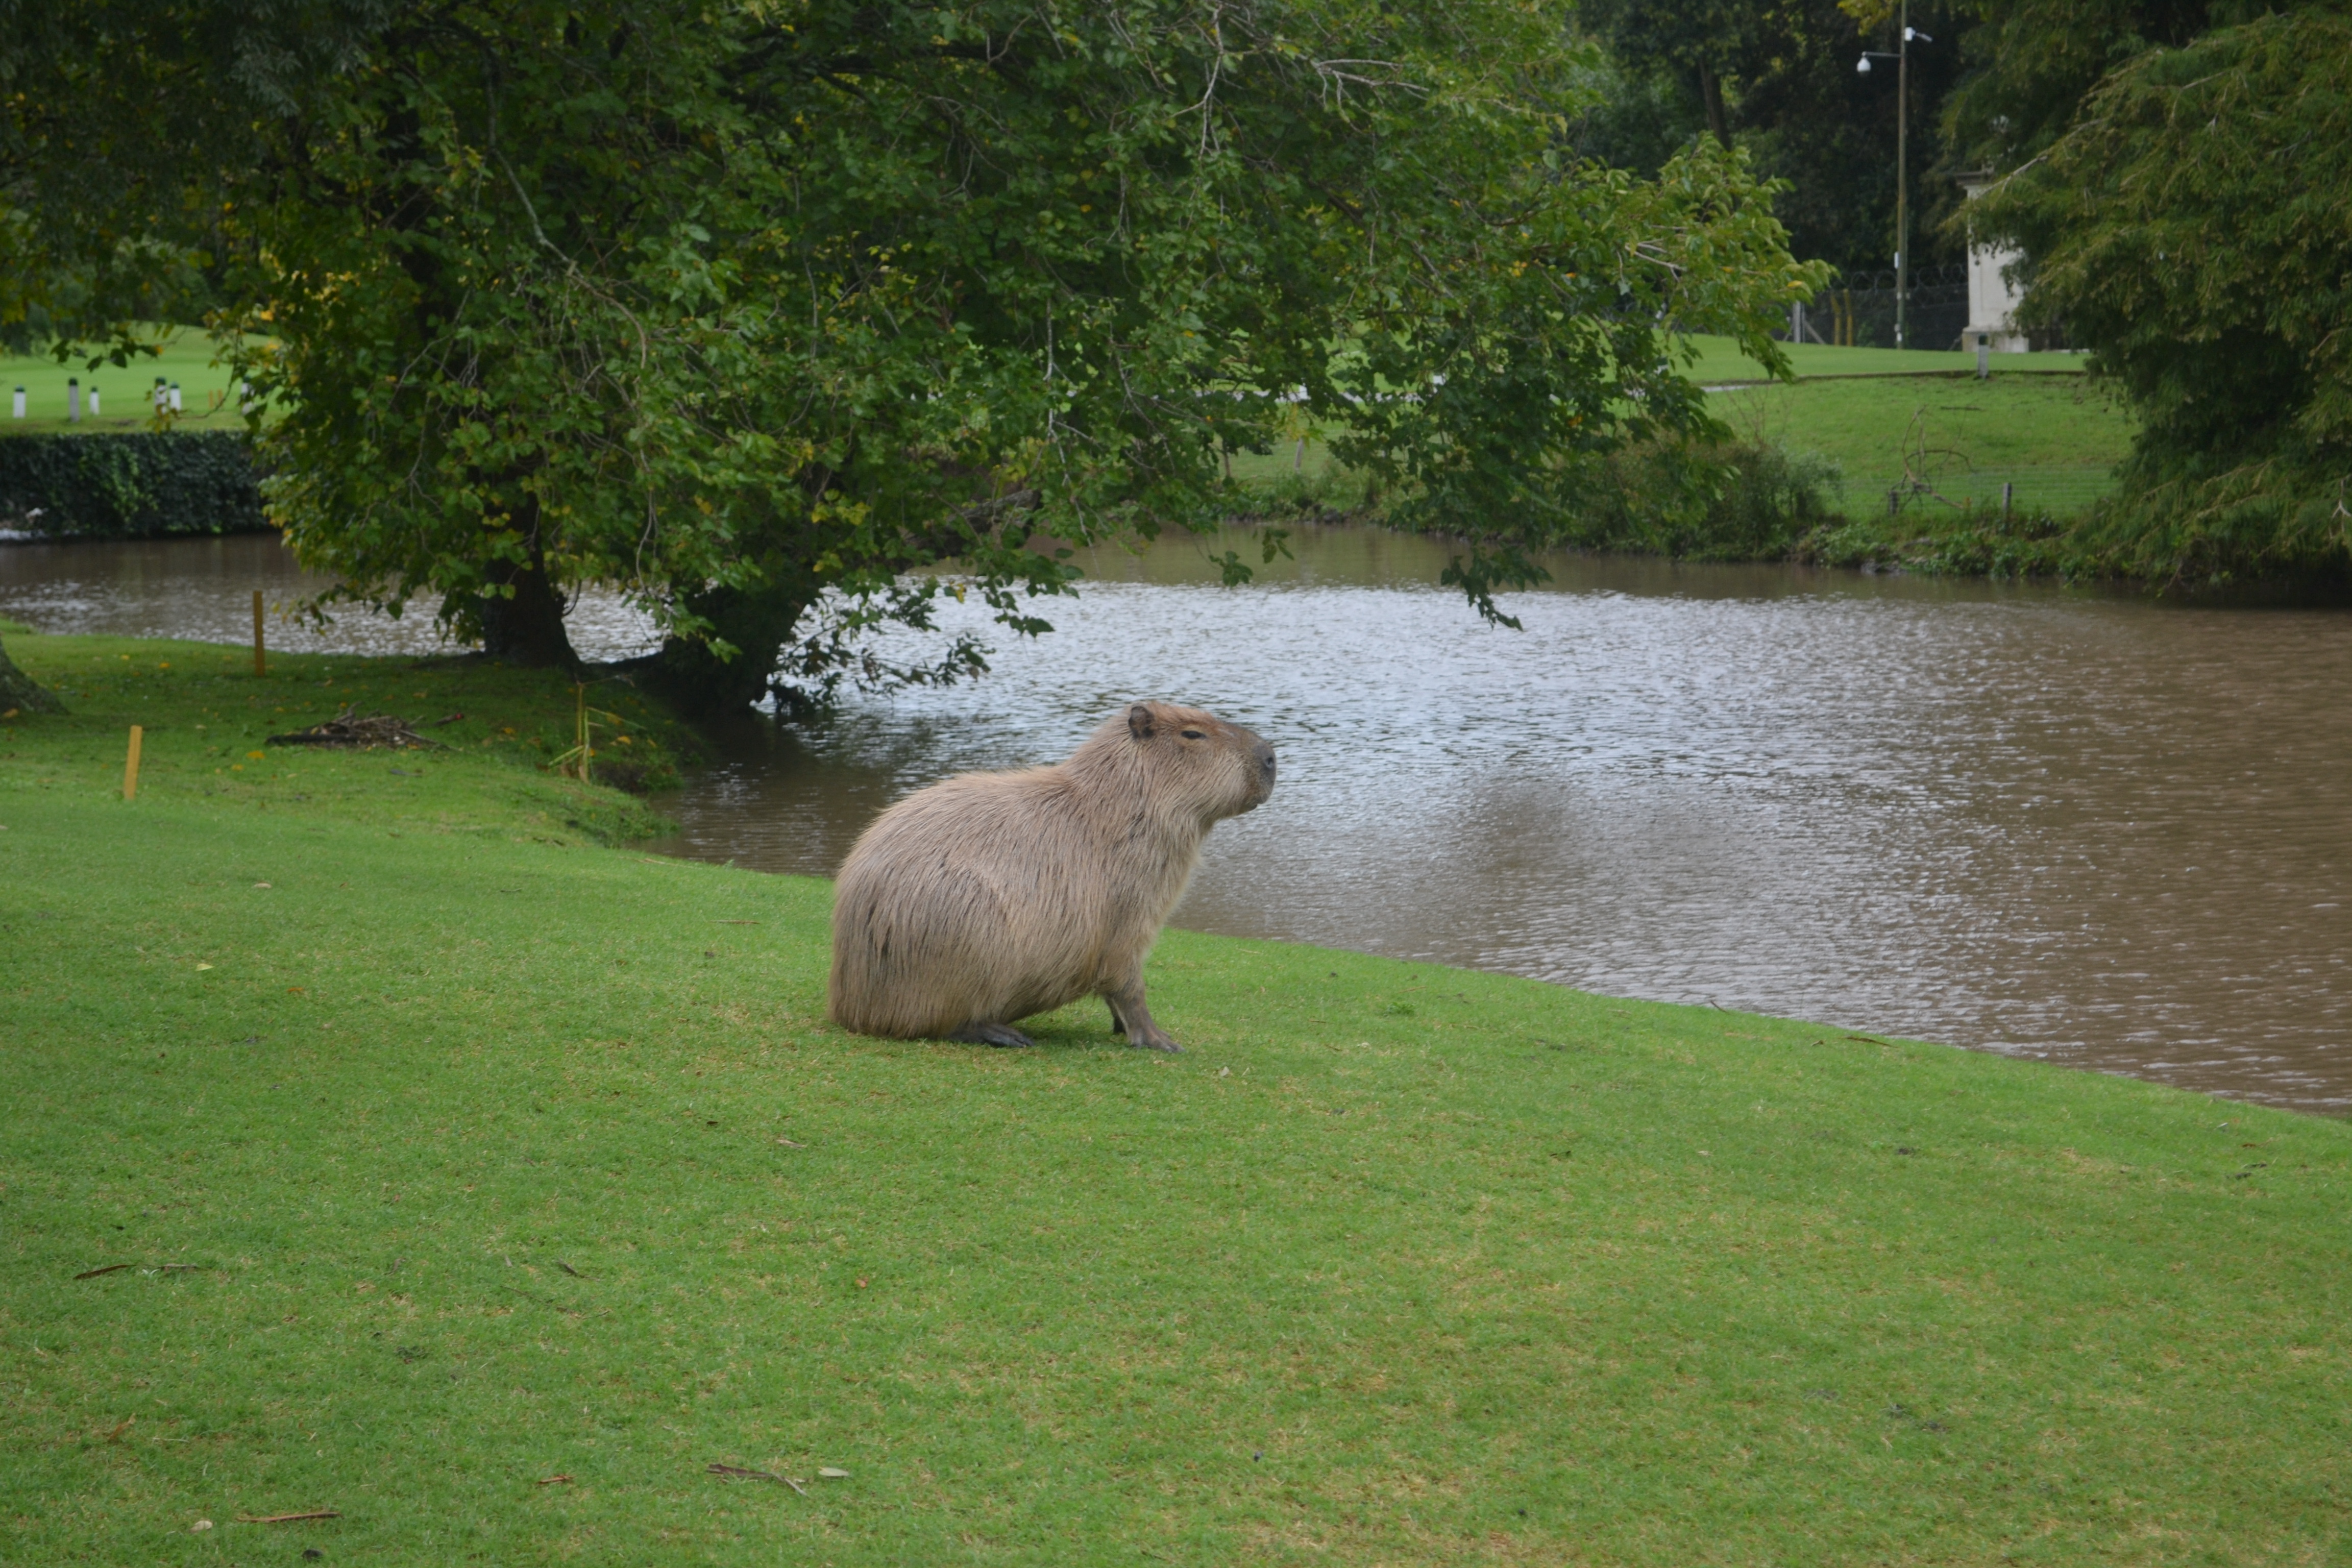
(2056,439)
(487,1188)
(125,394)
(1719,360)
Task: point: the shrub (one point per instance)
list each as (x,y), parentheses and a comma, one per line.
(132,486)
(1736,501)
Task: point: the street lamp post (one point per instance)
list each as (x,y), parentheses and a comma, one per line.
(1902,58)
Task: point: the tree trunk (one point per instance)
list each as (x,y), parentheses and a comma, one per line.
(1710,93)
(757,621)
(17,692)
(527,629)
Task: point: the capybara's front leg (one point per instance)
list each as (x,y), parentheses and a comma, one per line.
(1129,1016)
(977,1033)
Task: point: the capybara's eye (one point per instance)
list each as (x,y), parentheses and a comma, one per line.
(1192,735)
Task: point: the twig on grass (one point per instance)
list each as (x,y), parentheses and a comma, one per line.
(569,1270)
(736,1472)
(1874,1039)
(158,1269)
(287,1518)
(549,1480)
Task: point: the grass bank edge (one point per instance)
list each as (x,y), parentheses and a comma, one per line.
(498,734)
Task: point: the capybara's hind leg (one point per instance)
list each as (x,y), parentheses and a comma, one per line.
(981,1034)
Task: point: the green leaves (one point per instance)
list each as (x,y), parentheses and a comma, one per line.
(745,313)
(2188,229)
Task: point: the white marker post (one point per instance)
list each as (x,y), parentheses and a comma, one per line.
(175,397)
(20,402)
(93,403)
(73,400)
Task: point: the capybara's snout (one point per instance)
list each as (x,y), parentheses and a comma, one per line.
(1262,784)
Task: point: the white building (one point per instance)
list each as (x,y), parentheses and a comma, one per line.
(1992,299)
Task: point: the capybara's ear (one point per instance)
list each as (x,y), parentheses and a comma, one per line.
(1140,721)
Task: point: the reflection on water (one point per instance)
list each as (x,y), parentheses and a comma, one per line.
(2092,829)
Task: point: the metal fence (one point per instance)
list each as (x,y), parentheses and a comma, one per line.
(1863,315)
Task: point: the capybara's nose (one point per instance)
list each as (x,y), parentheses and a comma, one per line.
(1265,763)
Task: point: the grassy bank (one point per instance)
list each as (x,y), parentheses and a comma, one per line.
(206,719)
(1717,360)
(1949,445)
(207,398)
(487,1187)
(1858,425)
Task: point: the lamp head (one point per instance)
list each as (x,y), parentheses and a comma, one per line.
(1861,65)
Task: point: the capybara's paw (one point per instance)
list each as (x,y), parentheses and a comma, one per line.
(991,1034)
(1155,1040)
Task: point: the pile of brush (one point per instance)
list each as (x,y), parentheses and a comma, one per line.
(351,732)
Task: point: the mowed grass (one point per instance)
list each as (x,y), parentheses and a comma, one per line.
(206,718)
(1719,359)
(487,1187)
(2055,439)
(207,391)
(1883,416)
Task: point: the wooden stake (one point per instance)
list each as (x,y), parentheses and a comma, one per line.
(260,660)
(130,767)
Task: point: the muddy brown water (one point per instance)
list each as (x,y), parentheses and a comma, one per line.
(2089,829)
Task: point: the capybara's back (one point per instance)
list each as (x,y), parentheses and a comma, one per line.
(991,896)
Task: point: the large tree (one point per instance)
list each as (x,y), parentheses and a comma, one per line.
(2190,230)
(2032,62)
(752,309)
(20,693)
(1778,77)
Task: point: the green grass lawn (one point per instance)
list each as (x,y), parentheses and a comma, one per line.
(2038,423)
(206,391)
(486,1186)
(2055,439)
(1719,360)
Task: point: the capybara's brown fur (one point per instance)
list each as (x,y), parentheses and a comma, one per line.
(989,897)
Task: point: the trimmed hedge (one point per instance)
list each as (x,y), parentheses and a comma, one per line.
(137,485)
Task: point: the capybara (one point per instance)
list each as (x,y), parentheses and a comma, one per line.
(989,897)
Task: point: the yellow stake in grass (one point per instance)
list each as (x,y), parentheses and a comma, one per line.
(130,767)
(576,761)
